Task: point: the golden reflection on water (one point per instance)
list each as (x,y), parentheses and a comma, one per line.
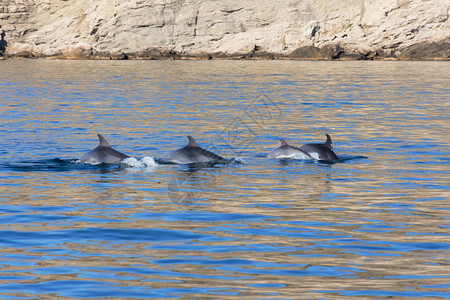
(348,222)
(369,220)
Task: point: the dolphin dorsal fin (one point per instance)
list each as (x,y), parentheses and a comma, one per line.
(192,142)
(103,141)
(283,143)
(329,142)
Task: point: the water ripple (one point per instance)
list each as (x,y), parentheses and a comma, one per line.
(374,224)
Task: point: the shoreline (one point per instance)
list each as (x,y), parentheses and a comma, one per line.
(420,52)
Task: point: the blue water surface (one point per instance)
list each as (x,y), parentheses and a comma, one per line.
(373,225)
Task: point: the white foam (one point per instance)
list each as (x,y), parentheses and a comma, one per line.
(146,162)
(314,155)
(78,161)
(238,160)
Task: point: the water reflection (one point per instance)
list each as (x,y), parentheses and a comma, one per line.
(374,225)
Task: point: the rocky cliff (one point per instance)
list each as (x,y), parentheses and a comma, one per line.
(157,29)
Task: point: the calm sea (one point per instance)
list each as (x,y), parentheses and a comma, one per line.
(376,225)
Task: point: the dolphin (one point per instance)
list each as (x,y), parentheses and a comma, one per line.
(192,153)
(103,153)
(287,151)
(321,151)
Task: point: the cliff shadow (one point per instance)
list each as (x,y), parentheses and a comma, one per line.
(3,42)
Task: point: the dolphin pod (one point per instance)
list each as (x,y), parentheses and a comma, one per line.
(192,153)
(320,152)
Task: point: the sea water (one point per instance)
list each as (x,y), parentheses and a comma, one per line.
(375,225)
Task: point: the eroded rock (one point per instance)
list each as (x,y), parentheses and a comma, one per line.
(196,29)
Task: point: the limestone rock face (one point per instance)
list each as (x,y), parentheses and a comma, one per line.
(157,29)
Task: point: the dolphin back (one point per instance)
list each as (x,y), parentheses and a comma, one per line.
(285,151)
(103,153)
(322,152)
(192,153)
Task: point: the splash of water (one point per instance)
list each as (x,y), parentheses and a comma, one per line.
(146,162)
